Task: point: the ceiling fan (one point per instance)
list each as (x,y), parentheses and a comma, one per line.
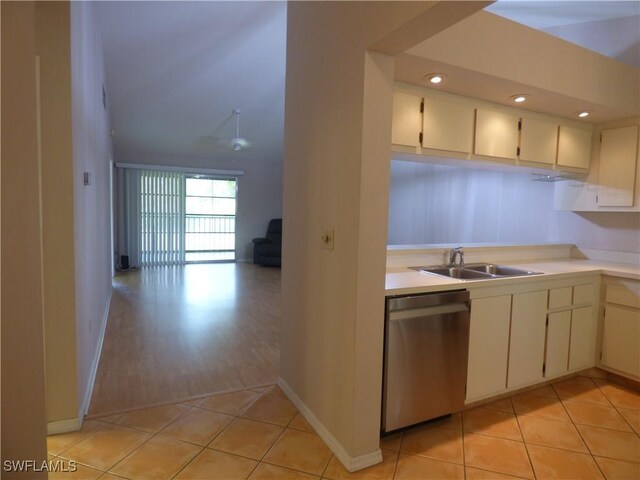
(238,143)
(216,141)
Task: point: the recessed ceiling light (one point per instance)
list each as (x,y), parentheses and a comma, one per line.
(583,114)
(435,78)
(521,97)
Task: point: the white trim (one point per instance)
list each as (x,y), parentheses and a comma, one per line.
(84,408)
(350,463)
(64,426)
(165,168)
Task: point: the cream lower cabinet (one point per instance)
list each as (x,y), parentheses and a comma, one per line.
(488,346)
(527,333)
(558,340)
(621,328)
(526,343)
(584,333)
(571,330)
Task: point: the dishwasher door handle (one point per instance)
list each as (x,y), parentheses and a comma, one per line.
(428,311)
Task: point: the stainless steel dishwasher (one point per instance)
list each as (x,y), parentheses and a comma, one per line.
(425,357)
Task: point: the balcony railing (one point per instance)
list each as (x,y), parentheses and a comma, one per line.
(209,237)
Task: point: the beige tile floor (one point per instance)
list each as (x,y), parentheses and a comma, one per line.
(579,428)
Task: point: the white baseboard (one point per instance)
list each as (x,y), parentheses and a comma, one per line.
(350,463)
(64,426)
(84,408)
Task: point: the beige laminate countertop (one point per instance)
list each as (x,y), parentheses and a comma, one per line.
(400,281)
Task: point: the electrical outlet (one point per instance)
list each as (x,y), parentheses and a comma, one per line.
(87,178)
(328,239)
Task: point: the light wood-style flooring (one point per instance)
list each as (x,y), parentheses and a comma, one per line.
(178,332)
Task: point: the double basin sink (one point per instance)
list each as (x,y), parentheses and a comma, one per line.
(476,271)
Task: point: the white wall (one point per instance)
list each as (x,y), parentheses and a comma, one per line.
(259,189)
(615,231)
(336,169)
(91,153)
(431,203)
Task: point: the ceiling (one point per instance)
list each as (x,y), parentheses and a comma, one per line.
(176,70)
(611,28)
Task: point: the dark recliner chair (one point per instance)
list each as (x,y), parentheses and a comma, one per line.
(268,251)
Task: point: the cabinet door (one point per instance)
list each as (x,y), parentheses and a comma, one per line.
(558,333)
(574,147)
(406,122)
(526,346)
(621,339)
(447,125)
(496,134)
(617,167)
(538,141)
(488,346)
(584,335)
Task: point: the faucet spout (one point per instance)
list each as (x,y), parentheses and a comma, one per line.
(455,253)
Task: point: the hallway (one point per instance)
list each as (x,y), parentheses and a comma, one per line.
(177,332)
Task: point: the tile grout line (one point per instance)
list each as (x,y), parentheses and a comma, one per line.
(395,466)
(464,457)
(580,433)
(617,409)
(526,448)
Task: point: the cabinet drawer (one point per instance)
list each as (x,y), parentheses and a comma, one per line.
(560,297)
(583,294)
(622,296)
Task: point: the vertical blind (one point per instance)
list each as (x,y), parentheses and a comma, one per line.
(161,218)
(154,210)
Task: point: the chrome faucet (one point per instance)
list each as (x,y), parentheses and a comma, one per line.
(453,253)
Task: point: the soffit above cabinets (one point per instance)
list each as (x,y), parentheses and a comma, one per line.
(491,58)
(469,83)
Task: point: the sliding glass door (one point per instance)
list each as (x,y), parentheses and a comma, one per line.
(210,219)
(172,218)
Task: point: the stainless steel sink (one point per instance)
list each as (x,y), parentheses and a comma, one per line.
(476,271)
(499,270)
(456,272)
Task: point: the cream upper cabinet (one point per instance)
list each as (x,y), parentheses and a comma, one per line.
(527,339)
(407,120)
(538,141)
(496,134)
(488,346)
(574,147)
(447,124)
(617,167)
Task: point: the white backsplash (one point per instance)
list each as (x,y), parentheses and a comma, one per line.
(402,256)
